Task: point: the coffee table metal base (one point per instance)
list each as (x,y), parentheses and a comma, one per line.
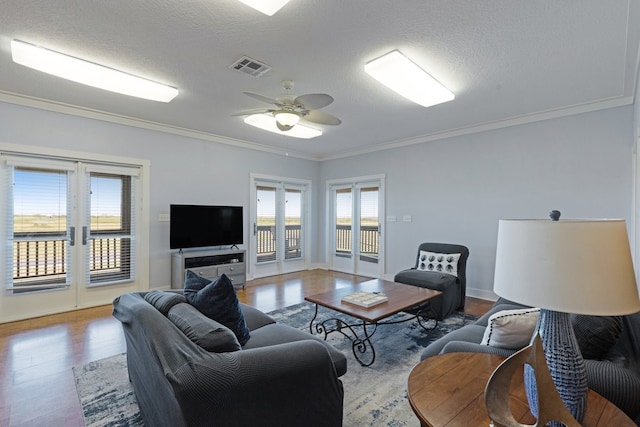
(361,342)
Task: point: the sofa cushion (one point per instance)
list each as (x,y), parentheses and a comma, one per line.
(511,329)
(443,263)
(484,319)
(217,300)
(596,334)
(207,333)
(163,301)
(277,333)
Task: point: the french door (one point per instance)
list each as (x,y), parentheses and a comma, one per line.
(279,219)
(70,233)
(355,232)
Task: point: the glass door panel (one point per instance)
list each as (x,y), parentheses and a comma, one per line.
(369,224)
(293,224)
(40,223)
(343,222)
(111,228)
(266,224)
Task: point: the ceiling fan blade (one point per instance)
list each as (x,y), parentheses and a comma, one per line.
(251,112)
(314,101)
(261,97)
(322,118)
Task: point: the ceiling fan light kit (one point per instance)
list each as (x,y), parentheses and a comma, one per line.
(268,7)
(403,76)
(269,123)
(89,73)
(287,118)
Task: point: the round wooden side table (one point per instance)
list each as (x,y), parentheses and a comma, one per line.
(448,390)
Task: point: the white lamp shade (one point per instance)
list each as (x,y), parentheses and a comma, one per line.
(572,266)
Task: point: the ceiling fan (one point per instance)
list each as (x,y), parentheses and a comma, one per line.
(289,109)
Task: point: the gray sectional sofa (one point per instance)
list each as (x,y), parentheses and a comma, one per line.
(280,377)
(612,357)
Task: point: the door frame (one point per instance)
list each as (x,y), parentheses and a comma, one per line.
(355,182)
(15,307)
(280,265)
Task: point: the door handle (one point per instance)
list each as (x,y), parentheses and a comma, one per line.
(84,235)
(72,236)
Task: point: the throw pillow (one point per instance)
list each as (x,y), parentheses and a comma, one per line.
(443,263)
(511,329)
(163,301)
(207,333)
(217,300)
(596,334)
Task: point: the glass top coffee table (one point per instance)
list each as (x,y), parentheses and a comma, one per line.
(400,298)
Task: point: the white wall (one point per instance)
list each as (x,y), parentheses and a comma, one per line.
(458,188)
(183,170)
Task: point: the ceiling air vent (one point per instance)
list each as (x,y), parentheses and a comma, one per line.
(250,66)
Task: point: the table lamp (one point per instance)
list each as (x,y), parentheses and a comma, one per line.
(580,266)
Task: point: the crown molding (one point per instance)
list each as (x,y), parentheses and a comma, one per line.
(74,110)
(492,125)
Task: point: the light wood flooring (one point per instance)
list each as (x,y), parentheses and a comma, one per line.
(36,382)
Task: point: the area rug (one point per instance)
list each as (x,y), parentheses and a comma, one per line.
(373,396)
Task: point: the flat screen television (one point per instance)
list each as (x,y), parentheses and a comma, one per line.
(198,226)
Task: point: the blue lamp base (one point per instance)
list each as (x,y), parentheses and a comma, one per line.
(565,363)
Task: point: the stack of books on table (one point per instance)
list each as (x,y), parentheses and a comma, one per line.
(365,299)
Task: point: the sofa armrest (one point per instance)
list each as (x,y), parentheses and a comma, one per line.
(617,384)
(284,384)
(468,347)
(255,318)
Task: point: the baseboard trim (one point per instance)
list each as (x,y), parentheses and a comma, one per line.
(482,294)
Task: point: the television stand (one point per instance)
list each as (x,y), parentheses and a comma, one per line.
(209,264)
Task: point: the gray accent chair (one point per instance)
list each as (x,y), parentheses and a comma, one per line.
(281,376)
(615,375)
(453,288)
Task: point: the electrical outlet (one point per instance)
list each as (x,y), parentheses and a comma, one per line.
(164,217)
(407,218)
(391,218)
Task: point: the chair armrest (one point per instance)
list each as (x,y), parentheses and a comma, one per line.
(284,384)
(468,347)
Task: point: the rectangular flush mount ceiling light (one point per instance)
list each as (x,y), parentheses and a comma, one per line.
(89,73)
(268,7)
(402,75)
(268,122)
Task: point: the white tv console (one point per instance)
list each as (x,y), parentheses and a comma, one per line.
(209,264)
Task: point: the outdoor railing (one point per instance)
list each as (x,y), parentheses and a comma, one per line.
(39,260)
(42,258)
(266,242)
(368,240)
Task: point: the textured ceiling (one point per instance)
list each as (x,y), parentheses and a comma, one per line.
(507,62)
